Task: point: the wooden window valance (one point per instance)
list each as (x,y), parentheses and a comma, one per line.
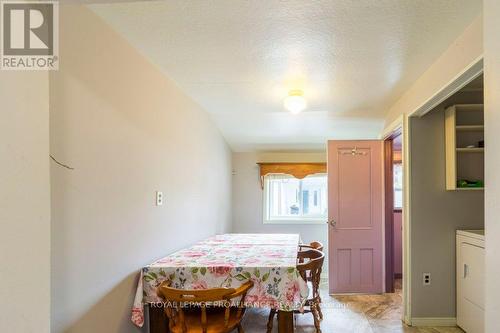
(298,170)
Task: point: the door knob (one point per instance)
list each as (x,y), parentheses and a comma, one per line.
(333,223)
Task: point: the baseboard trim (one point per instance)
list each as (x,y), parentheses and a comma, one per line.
(433,321)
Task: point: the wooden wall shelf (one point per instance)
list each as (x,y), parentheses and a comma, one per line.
(470,128)
(470,150)
(464,126)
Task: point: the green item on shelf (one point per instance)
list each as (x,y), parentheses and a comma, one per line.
(462,183)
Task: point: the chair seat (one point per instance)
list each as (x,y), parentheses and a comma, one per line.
(215,321)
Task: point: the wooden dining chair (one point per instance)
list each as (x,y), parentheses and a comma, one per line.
(309,267)
(204,311)
(315,245)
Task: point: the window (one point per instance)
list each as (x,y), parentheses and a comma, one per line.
(291,200)
(398,186)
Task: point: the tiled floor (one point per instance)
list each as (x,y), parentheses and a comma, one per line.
(350,314)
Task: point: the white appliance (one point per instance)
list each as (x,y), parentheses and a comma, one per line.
(470,280)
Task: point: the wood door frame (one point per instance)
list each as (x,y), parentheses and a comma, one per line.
(389,208)
(400,126)
(389,214)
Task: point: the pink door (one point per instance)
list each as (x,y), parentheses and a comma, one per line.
(355,209)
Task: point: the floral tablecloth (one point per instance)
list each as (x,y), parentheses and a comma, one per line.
(228,260)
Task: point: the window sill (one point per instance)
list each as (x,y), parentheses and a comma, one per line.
(296,222)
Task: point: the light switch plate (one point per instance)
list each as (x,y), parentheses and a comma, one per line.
(159,198)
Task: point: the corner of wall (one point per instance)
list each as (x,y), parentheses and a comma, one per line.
(466,50)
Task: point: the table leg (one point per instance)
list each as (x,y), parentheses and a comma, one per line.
(285,321)
(158,322)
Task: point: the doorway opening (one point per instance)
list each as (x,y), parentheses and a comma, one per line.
(393,170)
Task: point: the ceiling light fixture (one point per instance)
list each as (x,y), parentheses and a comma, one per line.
(295,101)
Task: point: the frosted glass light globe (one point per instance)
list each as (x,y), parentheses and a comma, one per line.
(295,102)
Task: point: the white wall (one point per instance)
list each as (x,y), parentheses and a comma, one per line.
(492,164)
(247,197)
(127,131)
(24,203)
(463,52)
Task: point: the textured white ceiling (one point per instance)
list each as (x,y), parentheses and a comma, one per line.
(239,58)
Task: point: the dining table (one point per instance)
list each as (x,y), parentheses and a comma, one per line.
(228,261)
